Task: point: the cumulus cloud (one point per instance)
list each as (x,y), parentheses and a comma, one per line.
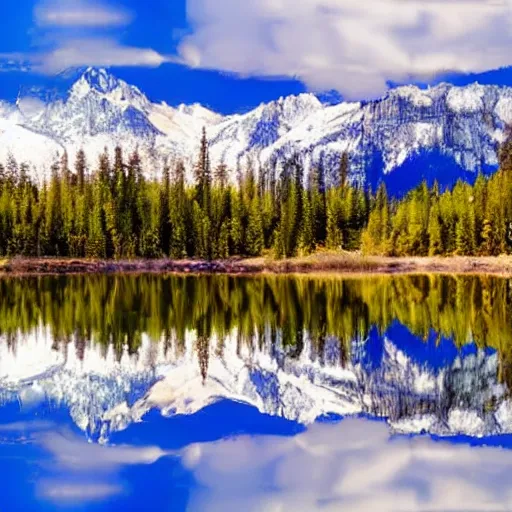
(76,33)
(77,13)
(353,46)
(94,52)
(349,466)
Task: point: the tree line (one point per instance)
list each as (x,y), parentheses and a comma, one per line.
(116,211)
(464,220)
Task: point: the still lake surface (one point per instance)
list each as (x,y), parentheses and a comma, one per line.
(269,393)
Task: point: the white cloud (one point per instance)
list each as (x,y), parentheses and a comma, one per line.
(78,13)
(349,466)
(94,52)
(353,46)
(76,33)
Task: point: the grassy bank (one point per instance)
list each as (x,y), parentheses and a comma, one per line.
(325,262)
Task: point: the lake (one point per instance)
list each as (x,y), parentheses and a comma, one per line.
(273,393)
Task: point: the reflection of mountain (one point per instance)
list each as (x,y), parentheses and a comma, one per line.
(89,384)
(105,393)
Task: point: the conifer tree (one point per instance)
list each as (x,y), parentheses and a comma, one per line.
(80,170)
(307,237)
(236,231)
(465,234)
(221,175)
(254,234)
(434,231)
(178,214)
(375,238)
(334,219)
(96,246)
(164,221)
(223,242)
(318,204)
(203,175)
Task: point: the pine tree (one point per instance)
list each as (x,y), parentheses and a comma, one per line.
(54,218)
(117,211)
(96,239)
(487,247)
(80,170)
(334,219)
(178,214)
(164,221)
(221,175)
(465,233)
(201,225)
(236,231)
(223,242)
(203,175)
(434,232)
(307,237)
(375,239)
(254,234)
(318,204)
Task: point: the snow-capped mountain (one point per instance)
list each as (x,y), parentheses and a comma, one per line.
(442,132)
(105,393)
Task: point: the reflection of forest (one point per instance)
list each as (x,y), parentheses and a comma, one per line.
(117,310)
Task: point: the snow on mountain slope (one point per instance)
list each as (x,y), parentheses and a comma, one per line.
(242,136)
(464,125)
(101,111)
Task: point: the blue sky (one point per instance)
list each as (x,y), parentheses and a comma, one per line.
(231,55)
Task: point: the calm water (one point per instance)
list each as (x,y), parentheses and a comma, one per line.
(272,393)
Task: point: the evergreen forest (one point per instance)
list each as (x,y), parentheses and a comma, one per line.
(113,209)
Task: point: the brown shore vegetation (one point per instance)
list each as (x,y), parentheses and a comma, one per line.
(319,263)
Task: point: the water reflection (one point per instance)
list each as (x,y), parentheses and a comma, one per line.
(351,466)
(429,353)
(113,388)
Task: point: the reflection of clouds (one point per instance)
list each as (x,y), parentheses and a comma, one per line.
(351,465)
(76,454)
(61,491)
(73,468)
(26,426)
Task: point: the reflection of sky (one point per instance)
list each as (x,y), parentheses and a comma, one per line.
(433,353)
(47,464)
(230,457)
(352,465)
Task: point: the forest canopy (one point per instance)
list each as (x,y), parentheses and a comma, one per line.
(116,211)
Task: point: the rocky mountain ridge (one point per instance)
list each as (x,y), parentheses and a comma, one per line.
(444,132)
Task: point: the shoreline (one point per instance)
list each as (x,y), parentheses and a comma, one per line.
(320,263)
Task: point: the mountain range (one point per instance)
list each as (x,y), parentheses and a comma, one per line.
(444,132)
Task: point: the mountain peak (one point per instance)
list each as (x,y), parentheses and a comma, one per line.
(101,83)
(100,79)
